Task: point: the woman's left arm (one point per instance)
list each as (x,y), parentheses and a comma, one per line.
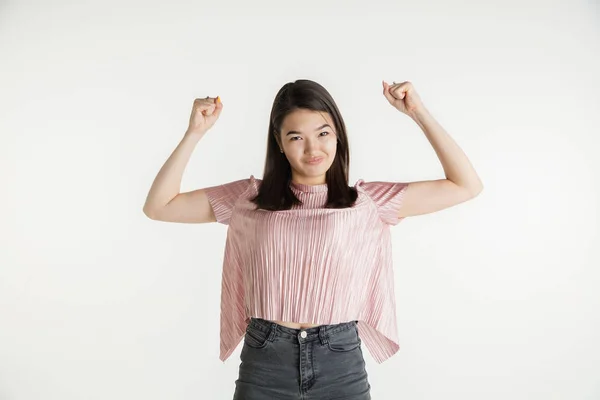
(462,182)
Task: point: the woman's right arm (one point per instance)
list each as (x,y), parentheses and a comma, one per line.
(164,201)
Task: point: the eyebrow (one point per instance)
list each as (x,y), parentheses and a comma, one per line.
(318,129)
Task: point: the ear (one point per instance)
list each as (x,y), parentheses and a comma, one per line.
(278,139)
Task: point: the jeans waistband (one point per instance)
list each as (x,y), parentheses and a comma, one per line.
(283,332)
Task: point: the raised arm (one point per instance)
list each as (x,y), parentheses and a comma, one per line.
(164,201)
(461,183)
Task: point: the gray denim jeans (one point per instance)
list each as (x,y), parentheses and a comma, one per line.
(324,362)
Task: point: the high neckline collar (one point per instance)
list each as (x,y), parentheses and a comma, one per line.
(309,188)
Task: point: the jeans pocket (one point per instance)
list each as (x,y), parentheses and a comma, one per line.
(346,340)
(256,338)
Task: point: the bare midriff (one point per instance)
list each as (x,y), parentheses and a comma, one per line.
(296,325)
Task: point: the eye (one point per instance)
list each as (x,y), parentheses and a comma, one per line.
(299,137)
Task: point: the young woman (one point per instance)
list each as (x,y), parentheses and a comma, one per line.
(307,272)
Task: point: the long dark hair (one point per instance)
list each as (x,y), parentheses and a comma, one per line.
(274,193)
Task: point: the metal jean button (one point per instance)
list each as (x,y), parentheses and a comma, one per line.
(303,334)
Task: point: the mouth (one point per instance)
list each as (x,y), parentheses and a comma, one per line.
(315,160)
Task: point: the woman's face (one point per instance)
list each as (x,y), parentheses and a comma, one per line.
(306,135)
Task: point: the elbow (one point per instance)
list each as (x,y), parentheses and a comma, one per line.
(477,190)
(149,212)
(471,190)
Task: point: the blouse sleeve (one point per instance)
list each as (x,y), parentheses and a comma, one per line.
(222,198)
(387,196)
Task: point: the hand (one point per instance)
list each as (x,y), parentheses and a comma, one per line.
(205,113)
(403,97)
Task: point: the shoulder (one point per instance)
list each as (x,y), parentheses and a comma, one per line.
(387,197)
(233,189)
(254,183)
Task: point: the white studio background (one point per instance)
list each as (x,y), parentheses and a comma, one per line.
(497,298)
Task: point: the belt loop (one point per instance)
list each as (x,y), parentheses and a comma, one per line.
(273,331)
(323,336)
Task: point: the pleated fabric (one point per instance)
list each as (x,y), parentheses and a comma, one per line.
(309,264)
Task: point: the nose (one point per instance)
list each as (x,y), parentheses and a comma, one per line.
(310,146)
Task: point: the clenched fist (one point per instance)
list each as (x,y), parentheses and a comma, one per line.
(205,113)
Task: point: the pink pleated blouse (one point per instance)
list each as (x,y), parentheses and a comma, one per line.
(309,264)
